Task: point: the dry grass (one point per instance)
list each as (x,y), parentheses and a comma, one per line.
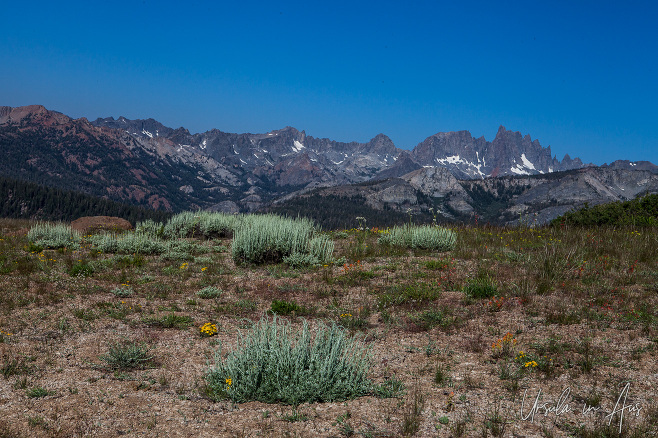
(579,303)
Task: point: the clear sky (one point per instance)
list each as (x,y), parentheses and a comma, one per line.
(580,76)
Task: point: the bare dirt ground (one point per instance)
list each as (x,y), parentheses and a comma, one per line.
(567,349)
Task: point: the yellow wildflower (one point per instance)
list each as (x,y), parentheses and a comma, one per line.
(208,329)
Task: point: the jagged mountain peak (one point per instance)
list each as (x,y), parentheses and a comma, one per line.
(452,134)
(509,153)
(504,133)
(381,138)
(139,127)
(382,144)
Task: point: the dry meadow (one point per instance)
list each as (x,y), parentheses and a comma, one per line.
(547,332)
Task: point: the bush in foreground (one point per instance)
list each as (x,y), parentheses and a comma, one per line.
(273,365)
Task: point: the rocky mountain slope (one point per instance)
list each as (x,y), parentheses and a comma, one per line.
(508,200)
(52,149)
(145,162)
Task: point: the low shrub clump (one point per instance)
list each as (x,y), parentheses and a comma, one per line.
(127,355)
(142,243)
(122,291)
(150,228)
(283,307)
(171,321)
(298,260)
(209,292)
(271,364)
(481,287)
(54,236)
(272,239)
(176,256)
(128,243)
(424,237)
(201,224)
(412,295)
(81,269)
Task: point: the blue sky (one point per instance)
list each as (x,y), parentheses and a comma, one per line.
(579,76)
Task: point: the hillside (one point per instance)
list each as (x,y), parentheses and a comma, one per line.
(508,200)
(639,212)
(26,200)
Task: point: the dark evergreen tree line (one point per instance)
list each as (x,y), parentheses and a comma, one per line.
(28,200)
(642,211)
(333,212)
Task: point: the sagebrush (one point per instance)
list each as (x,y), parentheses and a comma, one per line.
(273,363)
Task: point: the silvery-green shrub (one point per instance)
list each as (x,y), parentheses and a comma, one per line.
(122,291)
(54,236)
(270,238)
(150,228)
(420,237)
(209,292)
(322,248)
(297,260)
(273,364)
(128,243)
(201,224)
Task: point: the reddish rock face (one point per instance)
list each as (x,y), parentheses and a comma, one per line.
(91,224)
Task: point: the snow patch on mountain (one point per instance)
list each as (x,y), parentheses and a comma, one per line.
(519,170)
(457,160)
(453,159)
(527,162)
(297,147)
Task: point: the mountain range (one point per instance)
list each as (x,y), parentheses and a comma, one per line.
(147,163)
